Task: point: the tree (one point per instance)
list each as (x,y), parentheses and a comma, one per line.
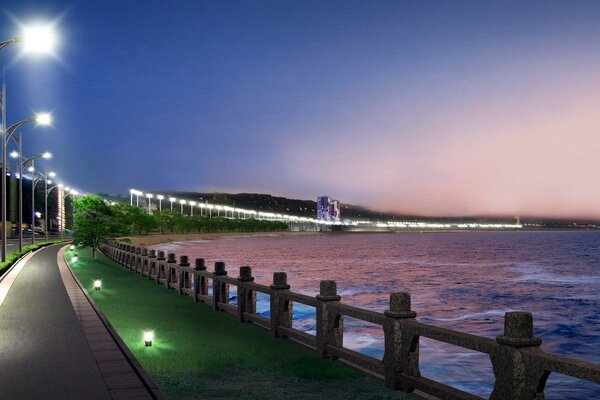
(137,220)
(95,222)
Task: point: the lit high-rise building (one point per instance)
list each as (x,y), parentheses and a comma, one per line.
(328,209)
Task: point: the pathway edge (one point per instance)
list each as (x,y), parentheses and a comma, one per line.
(135,364)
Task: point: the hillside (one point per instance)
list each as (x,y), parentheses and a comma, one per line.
(281,205)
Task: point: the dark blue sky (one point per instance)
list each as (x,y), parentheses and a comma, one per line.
(374,102)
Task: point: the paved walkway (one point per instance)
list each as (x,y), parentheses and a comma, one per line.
(53,345)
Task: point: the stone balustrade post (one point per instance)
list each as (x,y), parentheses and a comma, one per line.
(220,289)
(201,284)
(143,260)
(121,254)
(183,263)
(151,263)
(246,296)
(126,255)
(170,270)
(518,376)
(160,264)
(330,324)
(281,309)
(137,258)
(401,356)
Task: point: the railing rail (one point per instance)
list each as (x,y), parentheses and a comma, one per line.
(520,367)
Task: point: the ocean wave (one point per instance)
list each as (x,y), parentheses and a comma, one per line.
(492,313)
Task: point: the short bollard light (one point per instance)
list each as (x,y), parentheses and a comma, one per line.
(148,338)
(74,258)
(72,247)
(97,284)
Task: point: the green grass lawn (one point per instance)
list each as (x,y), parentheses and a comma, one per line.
(200,354)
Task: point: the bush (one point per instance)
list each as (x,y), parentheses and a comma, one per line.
(15,255)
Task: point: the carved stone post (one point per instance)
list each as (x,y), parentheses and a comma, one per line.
(518,377)
(281,309)
(220,289)
(121,253)
(246,296)
(183,263)
(160,264)
(136,259)
(151,263)
(126,255)
(170,270)
(201,286)
(330,325)
(143,260)
(401,355)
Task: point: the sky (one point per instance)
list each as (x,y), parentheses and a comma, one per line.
(421,107)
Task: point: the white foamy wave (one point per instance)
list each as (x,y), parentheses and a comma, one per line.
(357,342)
(492,313)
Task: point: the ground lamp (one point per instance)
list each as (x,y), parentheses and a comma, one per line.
(148,338)
(74,258)
(72,247)
(97,284)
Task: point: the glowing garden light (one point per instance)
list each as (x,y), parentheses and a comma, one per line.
(72,247)
(97,284)
(148,338)
(74,259)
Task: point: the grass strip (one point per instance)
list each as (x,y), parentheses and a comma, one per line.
(198,353)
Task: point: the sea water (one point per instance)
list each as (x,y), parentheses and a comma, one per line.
(464,281)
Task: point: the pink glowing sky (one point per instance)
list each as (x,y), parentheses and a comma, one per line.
(510,148)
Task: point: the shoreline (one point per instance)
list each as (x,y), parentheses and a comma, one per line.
(152,240)
(156,239)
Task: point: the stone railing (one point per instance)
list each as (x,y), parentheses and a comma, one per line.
(520,367)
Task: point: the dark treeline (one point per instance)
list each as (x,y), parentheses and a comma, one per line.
(97,221)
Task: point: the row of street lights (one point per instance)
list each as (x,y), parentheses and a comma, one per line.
(39,39)
(241,213)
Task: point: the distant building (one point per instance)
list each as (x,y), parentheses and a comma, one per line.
(328,209)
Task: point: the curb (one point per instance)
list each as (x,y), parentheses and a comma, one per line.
(148,383)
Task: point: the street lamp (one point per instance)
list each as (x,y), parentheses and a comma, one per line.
(192,204)
(149,196)
(182,202)
(37,39)
(34,182)
(22,165)
(172,200)
(40,39)
(48,190)
(137,197)
(7,135)
(160,198)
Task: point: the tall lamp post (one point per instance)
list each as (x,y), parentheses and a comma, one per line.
(149,196)
(22,165)
(34,182)
(48,190)
(37,39)
(46,178)
(172,200)
(160,198)
(8,134)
